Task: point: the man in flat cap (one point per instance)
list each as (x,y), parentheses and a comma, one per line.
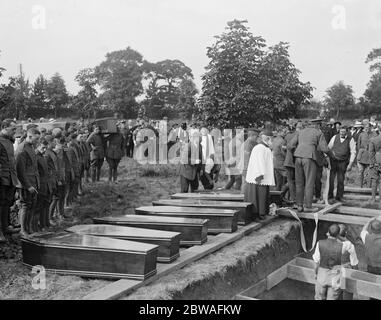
(371,237)
(306,143)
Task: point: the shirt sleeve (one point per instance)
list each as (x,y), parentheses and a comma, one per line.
(349,247)
(352,146)
(330,144)
(363,235)
(316,255)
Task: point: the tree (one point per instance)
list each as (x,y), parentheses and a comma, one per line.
(86,101)
(120,78)
(57,94)
(164,79)
(373,92)
(247,83)
(339,98)
(187,98)
(39,97)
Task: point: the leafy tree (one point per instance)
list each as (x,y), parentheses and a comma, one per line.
(373,92)
(247,83)
(120,78)
(39,96)
(339,97)
(57,94)
(164,79)
(86,101)
(187,98)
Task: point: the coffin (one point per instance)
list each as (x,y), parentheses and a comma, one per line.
(108,125)
(220,220)
(224,195)
(245,209)
(168,242)
(90,256)
(193,231)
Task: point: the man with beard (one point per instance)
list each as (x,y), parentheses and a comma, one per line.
(8,178)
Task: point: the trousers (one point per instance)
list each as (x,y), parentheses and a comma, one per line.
(305,175)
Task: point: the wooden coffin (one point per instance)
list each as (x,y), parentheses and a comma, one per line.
(224,195)
(193,231)
(245,209)
(220,220)
(90,256)
(168,242)
(108,125)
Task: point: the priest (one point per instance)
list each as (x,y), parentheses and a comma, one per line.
(260,176)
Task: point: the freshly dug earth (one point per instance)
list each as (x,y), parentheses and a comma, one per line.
(232,269)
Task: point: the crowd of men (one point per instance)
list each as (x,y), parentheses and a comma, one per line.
(43,171)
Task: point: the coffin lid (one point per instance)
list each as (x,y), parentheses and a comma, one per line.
(204,203)
(186,210)
(74,240)
(147,219)
(105,230)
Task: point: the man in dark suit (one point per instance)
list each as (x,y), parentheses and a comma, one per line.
(190,162)
(115,145)
(305,144)
(375,164)
(27,173)
(97,153)
(8,178)
(45,191)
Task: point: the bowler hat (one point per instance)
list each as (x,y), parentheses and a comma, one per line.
(337,122)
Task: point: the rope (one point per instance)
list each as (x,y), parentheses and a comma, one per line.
(302,237)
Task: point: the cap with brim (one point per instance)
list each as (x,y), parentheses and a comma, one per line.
(358,124)
(31,125)
(375,226)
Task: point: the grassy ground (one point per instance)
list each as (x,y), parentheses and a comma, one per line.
(138,185)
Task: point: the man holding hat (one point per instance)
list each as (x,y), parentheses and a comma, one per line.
(260,175)
(371,237)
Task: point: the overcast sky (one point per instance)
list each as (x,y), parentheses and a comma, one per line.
(329,39)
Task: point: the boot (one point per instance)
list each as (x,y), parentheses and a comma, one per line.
(7,228)
(93,174)
(361,179)
(98,174)
(110,174)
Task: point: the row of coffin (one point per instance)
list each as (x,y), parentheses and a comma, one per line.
(130,246)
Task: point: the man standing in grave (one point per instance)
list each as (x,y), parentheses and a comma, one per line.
(260,176)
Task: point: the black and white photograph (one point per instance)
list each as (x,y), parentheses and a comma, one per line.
(215,152)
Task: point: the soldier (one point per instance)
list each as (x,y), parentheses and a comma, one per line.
(363,160)
(115,145)
(375,164)
(27,173)
(8,178)
(279,155)
(305,144)
(54,177)
(45,189)
(97,154)
(75,159)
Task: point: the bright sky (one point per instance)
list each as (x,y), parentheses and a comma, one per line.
(329,39)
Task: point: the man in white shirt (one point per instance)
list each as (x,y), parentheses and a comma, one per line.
(342,153)
(328,259)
